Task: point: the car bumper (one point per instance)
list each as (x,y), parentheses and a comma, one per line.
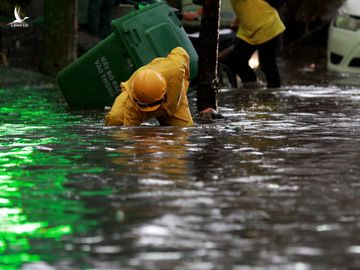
(343,52)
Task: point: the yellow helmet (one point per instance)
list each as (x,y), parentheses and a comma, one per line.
(149,89)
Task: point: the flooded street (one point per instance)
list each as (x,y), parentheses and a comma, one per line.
(276,185)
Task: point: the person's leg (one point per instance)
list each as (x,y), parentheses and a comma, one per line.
(267,56)
(238,60)
(94,15)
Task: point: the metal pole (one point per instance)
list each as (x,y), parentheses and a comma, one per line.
(208,56)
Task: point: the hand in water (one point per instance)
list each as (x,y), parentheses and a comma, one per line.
(210,114)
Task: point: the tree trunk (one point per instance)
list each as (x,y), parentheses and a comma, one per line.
(60,35)
(208,55)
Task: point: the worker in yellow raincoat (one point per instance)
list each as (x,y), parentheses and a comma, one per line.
(259,29)
(156,90)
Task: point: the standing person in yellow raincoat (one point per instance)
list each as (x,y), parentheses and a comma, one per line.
(156,90)
(259,29)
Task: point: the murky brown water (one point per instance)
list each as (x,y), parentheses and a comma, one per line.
(274,186)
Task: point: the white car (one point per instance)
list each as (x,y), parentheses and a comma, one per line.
(343,49)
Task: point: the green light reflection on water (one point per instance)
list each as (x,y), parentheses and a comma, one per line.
(33,208)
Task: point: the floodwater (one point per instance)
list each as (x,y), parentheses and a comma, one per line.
(276,185)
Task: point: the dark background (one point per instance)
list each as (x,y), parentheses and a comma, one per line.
(306,21)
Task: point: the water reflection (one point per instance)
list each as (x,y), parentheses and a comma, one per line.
(155,154)
(35,212)
(273,186)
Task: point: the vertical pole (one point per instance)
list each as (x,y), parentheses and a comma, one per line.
(59,35)
(208,55)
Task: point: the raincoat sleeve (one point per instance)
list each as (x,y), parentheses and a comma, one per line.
(177,77)
(182,57)
(182,116)
(123,112)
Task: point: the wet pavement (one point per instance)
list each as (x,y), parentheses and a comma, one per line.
(273,186)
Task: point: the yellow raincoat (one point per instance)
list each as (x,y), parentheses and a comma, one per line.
(258,21)
(174,111)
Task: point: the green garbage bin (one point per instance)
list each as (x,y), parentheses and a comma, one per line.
(92,81)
